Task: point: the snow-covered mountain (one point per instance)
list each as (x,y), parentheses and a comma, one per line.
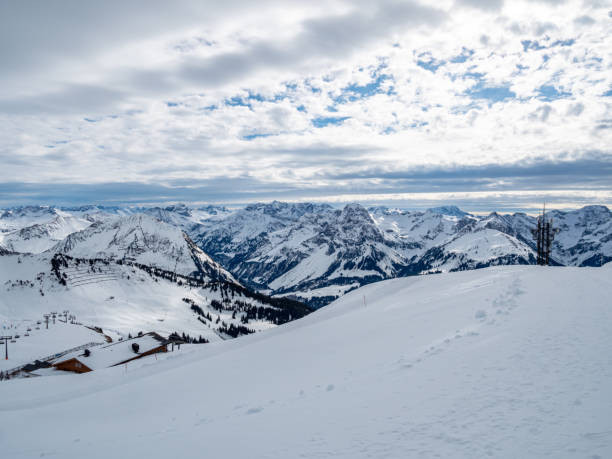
(34,229)
(42,236)
(504,362)
(585,237)
(126,297)
(16,218)
(135,273)
(304,247)
(317,253)
(145,240)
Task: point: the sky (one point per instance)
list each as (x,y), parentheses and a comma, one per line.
(485,104)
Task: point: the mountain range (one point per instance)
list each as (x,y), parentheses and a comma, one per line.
(135,273)
(310,252)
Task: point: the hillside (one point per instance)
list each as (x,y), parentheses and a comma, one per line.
(124,297)
(503,362)
(134,273)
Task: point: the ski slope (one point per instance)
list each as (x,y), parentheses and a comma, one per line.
(505,362)
(121,299)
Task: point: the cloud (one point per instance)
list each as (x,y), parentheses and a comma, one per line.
(487,5)
(484,188)
(71,99)
(584,20)
(575,109)
(542,113)
(326,38)
(299,99)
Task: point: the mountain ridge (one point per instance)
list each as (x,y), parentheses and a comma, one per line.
(316,252)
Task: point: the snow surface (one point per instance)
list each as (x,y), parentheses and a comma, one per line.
(42,236)
(112,354)
(143,239)
(41,342)
(505,362)
(126,301)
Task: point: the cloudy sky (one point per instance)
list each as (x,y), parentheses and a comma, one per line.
(488,104)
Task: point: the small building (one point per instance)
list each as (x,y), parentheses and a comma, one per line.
(113,354)
(73,364)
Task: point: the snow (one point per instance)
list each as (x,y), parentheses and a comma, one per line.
(144,239)
(503,362)
(41,342)
(315,265)
(126,301)
(114,353)
(276,245)
(41,236)
(484,246)
(332,290)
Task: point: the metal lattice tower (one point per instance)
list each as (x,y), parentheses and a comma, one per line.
(544,234)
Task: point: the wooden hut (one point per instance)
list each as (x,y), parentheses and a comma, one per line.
(73,364)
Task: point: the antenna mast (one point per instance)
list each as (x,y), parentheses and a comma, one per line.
(544,234)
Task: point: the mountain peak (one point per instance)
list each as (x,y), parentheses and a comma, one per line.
(287,210)
(143,239)
(452,211)
(355,208)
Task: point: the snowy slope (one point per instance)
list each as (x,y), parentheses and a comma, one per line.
(297,249)
(123,298)
(317,253)
(585,238)
(39,237)
(129,274)
(143,239)
(504,362)
(19,217)
(36,341)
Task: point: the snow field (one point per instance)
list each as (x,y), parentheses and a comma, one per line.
(502,362)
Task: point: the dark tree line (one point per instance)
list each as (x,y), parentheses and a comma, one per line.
(175,336)
(235,330)
(247,311)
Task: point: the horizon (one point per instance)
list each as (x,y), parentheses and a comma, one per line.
(336,205)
